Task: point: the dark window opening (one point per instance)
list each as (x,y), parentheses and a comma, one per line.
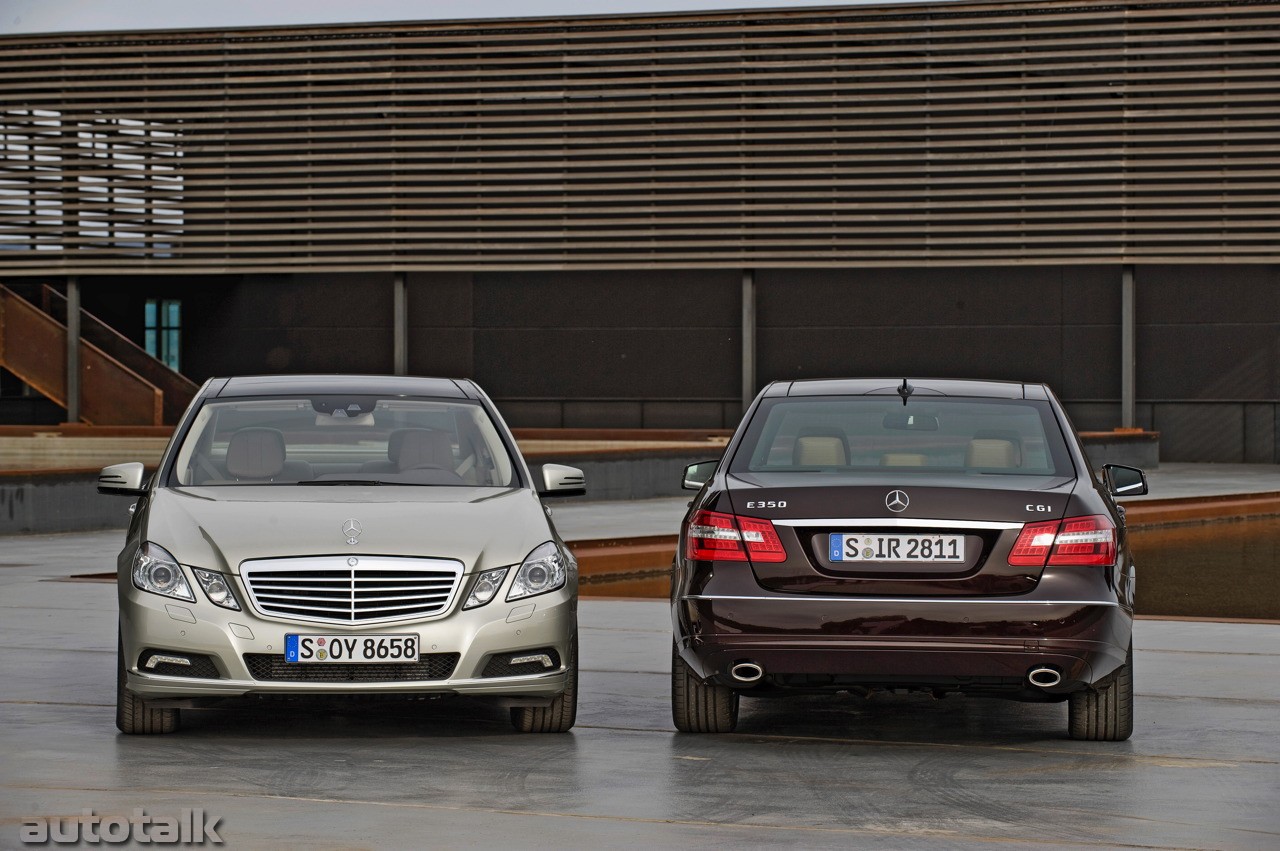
(163,331)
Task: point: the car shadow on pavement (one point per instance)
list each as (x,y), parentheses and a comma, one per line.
(906,718)
(356,718)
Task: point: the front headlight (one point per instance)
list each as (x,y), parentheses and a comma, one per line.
(485,586)
(216,588)
(156,571)
(543,570)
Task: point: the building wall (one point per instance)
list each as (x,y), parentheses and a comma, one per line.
(661,349)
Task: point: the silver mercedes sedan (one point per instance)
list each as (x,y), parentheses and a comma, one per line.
(340,535)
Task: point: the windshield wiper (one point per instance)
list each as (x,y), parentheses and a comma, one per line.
(342,482)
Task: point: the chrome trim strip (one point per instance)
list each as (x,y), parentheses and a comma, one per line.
(862,522)
(981,600)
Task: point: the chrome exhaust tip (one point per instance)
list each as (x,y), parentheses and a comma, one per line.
(1043,677)
(746,672)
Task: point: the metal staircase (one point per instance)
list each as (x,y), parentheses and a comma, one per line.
(120,383)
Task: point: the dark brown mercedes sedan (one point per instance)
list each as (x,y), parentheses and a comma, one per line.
(937,536)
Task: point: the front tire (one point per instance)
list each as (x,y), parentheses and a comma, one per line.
(698,707)
(1105,713)
(563,711)
(133,715)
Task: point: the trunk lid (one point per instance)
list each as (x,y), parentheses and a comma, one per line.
(972,521)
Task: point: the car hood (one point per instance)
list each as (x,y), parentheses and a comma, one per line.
(220,527)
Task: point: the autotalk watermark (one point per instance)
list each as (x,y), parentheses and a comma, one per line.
(190,827)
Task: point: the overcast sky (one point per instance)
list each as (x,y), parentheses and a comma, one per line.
(46,16)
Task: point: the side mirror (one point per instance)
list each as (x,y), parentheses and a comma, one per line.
(559,480)
(1124,481)
(122,479)
(697,475)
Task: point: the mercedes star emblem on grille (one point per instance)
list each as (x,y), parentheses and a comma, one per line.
(352,529)
(897,501)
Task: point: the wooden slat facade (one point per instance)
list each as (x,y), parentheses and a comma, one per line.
(950,134)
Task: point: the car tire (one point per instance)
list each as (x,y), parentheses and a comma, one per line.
(1104,713)
(697,706)
(133,715)
(563,711)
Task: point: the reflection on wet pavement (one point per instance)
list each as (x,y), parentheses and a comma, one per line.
(1217,570)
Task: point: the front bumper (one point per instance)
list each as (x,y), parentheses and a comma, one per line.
(965,643)
(151,622)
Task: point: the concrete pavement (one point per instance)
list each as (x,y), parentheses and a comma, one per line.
(1202,770)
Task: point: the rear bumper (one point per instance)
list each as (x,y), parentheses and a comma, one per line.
(952,643)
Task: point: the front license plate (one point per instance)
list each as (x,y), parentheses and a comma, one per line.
(346,649)
(897,548)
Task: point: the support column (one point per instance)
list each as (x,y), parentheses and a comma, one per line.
(73,349)
(748,338)
(1128,350)
(400,344)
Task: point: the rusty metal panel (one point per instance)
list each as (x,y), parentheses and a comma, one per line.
(177,389)
(1006,133)
(33,346)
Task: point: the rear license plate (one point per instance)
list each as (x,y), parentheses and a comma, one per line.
(348,649)
(897,548)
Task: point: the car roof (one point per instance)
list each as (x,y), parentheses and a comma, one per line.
(355,385)
(972,388)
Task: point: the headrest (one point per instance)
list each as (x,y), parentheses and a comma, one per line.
(395,440)
(255,453)
(988,452)
(821,447)
(423,447)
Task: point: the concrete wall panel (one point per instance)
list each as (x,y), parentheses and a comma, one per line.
(1190,432)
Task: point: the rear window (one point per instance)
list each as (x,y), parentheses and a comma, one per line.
(933,435)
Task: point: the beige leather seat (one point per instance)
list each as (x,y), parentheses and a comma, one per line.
(821,447)
(255,454)
(395,441)
(991,453)
(424,447)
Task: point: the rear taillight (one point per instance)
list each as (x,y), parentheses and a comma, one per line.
(1087,540)
(727,537)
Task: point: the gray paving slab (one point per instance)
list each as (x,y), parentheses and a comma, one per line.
(1182,480)
(1202,770)
(581,521)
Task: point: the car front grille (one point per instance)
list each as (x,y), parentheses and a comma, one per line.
(272,667)
(350,589)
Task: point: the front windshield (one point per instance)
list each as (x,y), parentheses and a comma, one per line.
(935,435)
(338,440)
